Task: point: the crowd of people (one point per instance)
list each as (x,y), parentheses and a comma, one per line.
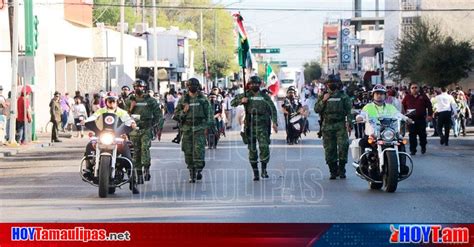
(337,104)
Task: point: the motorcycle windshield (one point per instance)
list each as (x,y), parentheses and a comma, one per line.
(376,126)
(108,122)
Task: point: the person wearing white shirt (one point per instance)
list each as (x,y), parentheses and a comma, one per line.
(79,110)
(445,106)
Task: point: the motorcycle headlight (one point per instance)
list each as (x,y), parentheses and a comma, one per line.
(107,138)
(388,135)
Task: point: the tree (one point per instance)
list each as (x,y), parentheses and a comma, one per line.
(425,55)
(312,71)
(218,37)
(445,63)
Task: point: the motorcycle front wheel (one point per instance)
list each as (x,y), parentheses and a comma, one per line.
(104,175)
(390,177)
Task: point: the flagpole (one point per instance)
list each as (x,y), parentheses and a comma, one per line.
(243,75)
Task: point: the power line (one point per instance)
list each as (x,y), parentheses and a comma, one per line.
(260,9)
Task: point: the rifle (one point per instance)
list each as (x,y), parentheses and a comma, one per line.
(244,134)
(321,120)
(180,122)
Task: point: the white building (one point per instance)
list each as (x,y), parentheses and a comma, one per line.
(174,49)
(457,24)
(67,44)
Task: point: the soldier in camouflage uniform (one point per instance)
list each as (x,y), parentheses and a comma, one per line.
(260,112)
(147,113)
(196,117)
(334,107)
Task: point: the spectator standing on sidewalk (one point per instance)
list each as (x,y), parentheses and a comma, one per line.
(417,100)
(24,115)
(3,115)
(95,103)
(445,106)
(170,100)
(78,111)
(87,104)
(55,112)
(65,107)
(464,111)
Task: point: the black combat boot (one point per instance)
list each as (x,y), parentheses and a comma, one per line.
(333,170)
(139,176)
(264,170)
(199,174)
(192,175)
(255,171)
(342,171)
(133,185)
(147,174)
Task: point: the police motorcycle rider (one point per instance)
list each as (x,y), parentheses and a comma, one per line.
(293,112)
(111,101)
(146,111)
(371,112)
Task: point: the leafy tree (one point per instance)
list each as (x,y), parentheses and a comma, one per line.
(218,37)
(312,71)
(425,55)
(445,63)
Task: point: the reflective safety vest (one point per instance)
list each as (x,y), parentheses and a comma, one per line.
(375,111)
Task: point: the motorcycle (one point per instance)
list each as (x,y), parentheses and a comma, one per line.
(108,167)
(385,162)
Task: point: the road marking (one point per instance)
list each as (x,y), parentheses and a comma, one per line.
(244,147)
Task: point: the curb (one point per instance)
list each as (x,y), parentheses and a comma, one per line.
(14,152)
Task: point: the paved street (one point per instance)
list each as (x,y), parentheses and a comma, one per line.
(44,185)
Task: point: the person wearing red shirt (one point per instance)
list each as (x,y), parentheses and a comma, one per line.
(416,99)
(24,114)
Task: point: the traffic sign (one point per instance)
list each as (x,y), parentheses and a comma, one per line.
(280,63)
(346,58)
(103,59)
(265,50)
(346,31)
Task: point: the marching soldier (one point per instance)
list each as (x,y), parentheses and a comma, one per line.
(146,112)
(260,113)
(334,107)
(196,117)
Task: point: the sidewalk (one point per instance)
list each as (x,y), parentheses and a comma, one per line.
(44,140)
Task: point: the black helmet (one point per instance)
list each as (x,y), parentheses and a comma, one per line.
(193,82)
(291,89)
(255,80)
(333,79)
(140,83)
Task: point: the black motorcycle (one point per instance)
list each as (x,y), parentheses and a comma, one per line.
(109,168)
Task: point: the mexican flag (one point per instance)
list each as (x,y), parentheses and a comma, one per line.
(271,80)
(244,46)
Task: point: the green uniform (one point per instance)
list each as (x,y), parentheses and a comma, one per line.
(150,114)
(260,112)
(193,125)
(336,112)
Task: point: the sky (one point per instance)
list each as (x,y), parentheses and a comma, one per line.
(297,34)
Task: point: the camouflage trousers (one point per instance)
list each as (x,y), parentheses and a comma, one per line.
(193,145)
(141,143)
(262,135)
(336,147)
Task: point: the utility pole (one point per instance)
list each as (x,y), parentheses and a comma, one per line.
(122,24)
(14,64)
(155,51)
(31,43)
(204,79)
